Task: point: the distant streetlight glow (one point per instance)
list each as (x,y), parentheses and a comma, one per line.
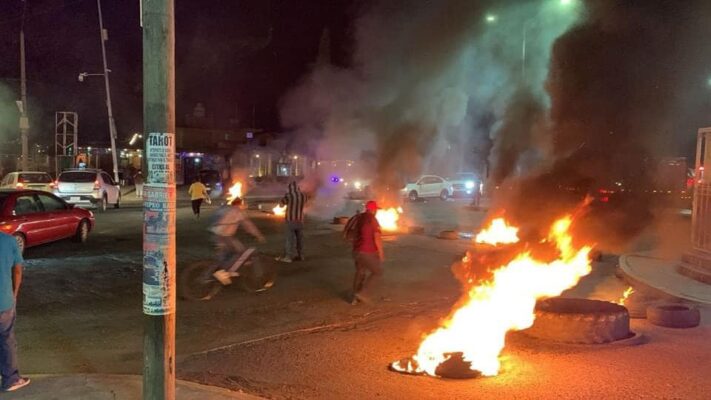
(490,18)
(565,2)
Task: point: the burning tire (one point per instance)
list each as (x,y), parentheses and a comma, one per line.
(673,315)
(580,321)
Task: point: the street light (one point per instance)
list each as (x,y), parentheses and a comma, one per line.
(112,124)
(490,18)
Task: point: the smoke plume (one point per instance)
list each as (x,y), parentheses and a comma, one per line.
(429,81)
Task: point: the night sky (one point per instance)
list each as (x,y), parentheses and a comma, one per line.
(233,56)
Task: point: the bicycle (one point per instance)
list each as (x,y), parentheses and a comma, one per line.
(204,279)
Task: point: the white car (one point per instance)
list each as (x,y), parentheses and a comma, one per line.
(465,184)
(428,186)
(33,180)
(91,188)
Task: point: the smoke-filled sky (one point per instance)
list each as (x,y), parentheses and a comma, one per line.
(410,75)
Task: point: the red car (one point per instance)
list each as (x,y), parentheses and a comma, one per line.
(34,217)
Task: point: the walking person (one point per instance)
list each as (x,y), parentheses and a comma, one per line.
(294,200)
(138,181)
(364,230)
(198,193)
(10,280)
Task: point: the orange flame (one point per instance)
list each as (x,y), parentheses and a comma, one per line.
(506,302)
(625,295)
(279,211)
(234,191)
(498,232)
(388,218)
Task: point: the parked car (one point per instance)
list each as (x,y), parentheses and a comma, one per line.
(28,180)
(428,186)
(92,188)
(465,184)
(34,217)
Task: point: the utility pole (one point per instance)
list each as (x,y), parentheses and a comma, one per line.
(24,121)
(159,200)
(112,123)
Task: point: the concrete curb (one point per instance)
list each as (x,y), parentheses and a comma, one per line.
(663,278)
(112,386)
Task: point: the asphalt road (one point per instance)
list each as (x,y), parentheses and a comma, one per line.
(80,311)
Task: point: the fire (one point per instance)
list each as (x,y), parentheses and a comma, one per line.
(279,211)
(498,233)
(477,329)
(234,191)
(388,218)
(625,295)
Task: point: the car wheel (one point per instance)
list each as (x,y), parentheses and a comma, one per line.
(21,242)
(413,196)
(104,203)
(444,195)
(82,233)
(118,202)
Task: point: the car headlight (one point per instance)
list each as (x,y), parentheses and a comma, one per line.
(469,184)
(357,185)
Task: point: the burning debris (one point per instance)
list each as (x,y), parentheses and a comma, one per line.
(234,192)
(490,308)
(498,233)
(279,210)
(388,218)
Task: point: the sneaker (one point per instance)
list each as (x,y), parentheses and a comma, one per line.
(22,382)
(284,259)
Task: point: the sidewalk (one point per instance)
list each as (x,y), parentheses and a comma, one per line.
(661,275)
(119,387)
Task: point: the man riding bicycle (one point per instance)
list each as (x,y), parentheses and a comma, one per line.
(225,227)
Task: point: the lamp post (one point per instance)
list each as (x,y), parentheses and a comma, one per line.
(83,75)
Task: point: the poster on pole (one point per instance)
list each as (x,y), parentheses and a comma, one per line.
(159,225)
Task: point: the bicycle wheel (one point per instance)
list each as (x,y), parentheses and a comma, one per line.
(257,274)
(197,283)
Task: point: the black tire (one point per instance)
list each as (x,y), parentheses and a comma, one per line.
(82,233)
(673,315)
(103,204)
(413,196)
(257,274)
(580,321)
(21,242)
(195,282)
(118,202)
(444,195)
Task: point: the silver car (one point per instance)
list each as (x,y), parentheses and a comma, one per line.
(88,188)
(33,180)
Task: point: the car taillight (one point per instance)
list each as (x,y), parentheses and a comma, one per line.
(53,185)
(96,185)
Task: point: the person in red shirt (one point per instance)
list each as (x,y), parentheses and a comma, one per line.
(367,253)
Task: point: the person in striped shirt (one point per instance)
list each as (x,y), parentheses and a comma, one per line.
(294,200)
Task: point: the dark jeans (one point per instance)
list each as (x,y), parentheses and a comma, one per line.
(8,348)
(294,238)
(368,272)
(196,206)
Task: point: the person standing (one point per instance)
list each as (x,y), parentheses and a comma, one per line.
(367,253)
(294,200)
(198,193)
(10,280)
(138,181)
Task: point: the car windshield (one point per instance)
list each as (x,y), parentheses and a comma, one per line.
(34,178)
(81,177)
